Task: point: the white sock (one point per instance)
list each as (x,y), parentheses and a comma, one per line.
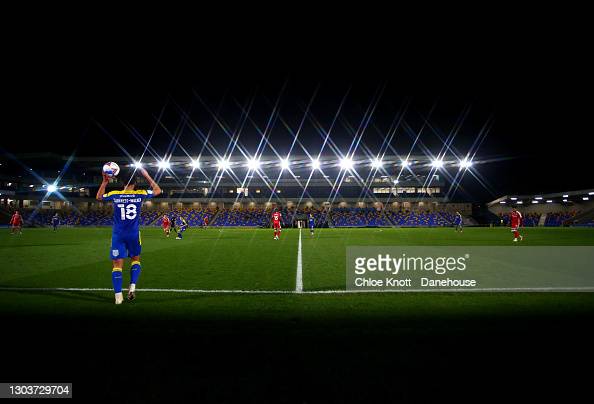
(132,287)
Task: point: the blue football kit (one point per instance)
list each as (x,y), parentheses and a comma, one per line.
(183,225)
(125,238)
(458,222)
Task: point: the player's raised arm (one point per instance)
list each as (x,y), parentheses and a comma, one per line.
(155,187)
(101,190)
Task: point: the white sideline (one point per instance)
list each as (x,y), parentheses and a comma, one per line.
(308,292)
(299,277)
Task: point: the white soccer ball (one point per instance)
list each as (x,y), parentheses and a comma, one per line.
(111,169)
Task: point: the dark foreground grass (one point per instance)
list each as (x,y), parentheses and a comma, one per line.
(281,347)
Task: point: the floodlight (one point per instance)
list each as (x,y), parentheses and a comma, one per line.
(315,164)
(253,164)
(346,163)
(465,163)
(163,165)
(51,188)
(437,163)
(137,164)
(195,163)
(284,163)
(405,163)
(377,163)
(223,164)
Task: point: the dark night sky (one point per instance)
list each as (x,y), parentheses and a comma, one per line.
(541,127)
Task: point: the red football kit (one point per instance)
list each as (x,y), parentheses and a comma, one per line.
(16,220)
(276,223)
(516,222)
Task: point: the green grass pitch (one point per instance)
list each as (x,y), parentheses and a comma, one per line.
(225,344)
(228,259)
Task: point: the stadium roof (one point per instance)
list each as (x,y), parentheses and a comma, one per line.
(556,197)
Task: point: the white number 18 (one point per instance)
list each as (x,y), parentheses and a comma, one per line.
(127,212)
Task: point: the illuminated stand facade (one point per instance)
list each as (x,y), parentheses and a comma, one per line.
(412,182)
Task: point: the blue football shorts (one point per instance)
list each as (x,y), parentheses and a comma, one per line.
(125,245)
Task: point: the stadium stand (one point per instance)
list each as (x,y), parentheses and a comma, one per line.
(558,218)
(553,219)
(260,217)
(194,216)
(425,219)
(241,217)
(358,217)
(582,218)
(529,220)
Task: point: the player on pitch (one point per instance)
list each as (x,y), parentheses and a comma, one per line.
(276,223)
(459,222)
(516,222)
(125,238)
(166,224)
(55,221)
(16,223)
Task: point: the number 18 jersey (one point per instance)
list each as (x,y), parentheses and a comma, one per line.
(126,210)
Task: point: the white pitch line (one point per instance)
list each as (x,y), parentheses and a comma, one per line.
(310,292)
(299,276)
